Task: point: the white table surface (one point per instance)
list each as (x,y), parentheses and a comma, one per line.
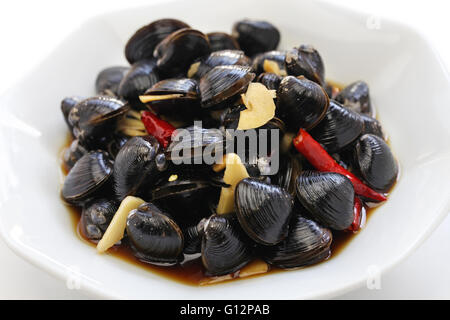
(29,29)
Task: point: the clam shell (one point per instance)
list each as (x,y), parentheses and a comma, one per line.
(178,50)
(224,83)
(141,45)
(338,128)
(225,248)
(306,61)
(135,166)
(328,197)
(307,243)
(301,103)
(263,210)
(356,97)
(73,153)
(108,80)
(154,236)
(95,118)
(221,58)
(376,163)
(141,76)
(256,36)
(96,216)
(66,105)
(87,176)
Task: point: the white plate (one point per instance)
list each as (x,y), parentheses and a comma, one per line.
(409,86)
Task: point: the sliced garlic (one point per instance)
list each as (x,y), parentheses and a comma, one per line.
(273,67)
(235,171)
(253,268)
(212,280)
(116,228)
(193,69)
(155,97)
(260,107)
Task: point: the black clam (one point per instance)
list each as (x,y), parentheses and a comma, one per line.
(307,243)
(256,36)
(275,56)
(135,166)
(108,80)
(218,58)
(306,61)
(270,80)
(328,197)
(263,210)
(141,45)
(223,84)
(154,236)
(178,50)
(356,97)
(339,128)
(372,126)
(222,41)
(89,174)
(225,247)
(376,163)
(66,105)
(141,76)
(73,153)
(96,118)
(96,216)
(301,103)
(175,98)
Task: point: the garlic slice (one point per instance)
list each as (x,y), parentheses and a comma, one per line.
(116,228)
(193,69)
(155,97)
(271,66)
(260,107)
(253,268)
(235,171)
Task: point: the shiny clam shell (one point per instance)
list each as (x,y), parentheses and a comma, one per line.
(263,210)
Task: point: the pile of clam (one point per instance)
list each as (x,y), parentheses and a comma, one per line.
(334,158)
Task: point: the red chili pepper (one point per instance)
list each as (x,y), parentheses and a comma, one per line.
(160,129)
(358,212)
(322,161)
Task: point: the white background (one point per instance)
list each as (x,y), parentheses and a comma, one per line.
(30,29)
